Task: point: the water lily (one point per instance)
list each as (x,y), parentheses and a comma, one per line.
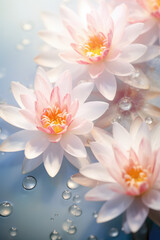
(97,41)
(126,175)
(53,120)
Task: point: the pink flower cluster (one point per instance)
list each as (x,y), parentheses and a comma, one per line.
(104,48)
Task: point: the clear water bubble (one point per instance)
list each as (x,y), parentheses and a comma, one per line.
(72,185)
(69,227)
(25,41)
(6,209)
(19,47)
(113,232)
(125,104)
(13,231)
(77,198)
(149,120)
(27,26)
(92,237)
(75,210)
(29,182)
(95,214)
(55,235)
(66,195)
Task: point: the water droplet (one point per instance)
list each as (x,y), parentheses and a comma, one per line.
(113,232)
(125,104)
(135,74)
(27,26)
(52,219)
(95,214)
(13,231)
(75,210)
(20,47)
(72,185)
(26,41)
(29,182)
(6,209)
(77,198)
(55,235)
(56,214)
(92,237)
(69,227)
(116,119)
(148,120)
(66,195)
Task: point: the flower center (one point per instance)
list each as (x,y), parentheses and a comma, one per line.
(54,118)
(153,6)
(97,45)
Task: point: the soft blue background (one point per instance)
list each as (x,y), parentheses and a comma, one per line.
(33,209)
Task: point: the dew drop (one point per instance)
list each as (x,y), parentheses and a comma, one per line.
(13,231)
(92,237)
(6,209)
(69,227)
(52,219)
(148,120)
(72,185)
(95,214)
(29,182)
(77,198)
(113,232)
(66,195)
(135,74)
(20,47)
(75,210)
(72,230)
(27,27)
(125,104)
(25,41)
(55,235)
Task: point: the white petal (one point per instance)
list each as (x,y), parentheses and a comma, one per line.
(80,126)
(64,83)
(133,52)
(73,145)
(51,22)
(31,164)
(119,67)
(136,123)
(48,58)
(100,193)
(52,158)
(155,133)
(136,215)
(13,116)
(87,182)
(92,110)
(151,53)
(152,199)
(18,89)
(36,145)
(121,136)
(17,141)
(143,132)
(96,171)
(82,91)
(101,136)
(106,84)
(96,69)
(114,208)
(77,162)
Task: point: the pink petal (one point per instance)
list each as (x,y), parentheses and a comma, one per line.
(28,102)
(96,69)
(84,7)
(64,83)
(106,84)
(136,123)
(17,141)
(119,67)
(13,116)
(42,84)
(73,145)
(143,132)
(18,89)
(80,126)
(92,110)
(82,91)
(155,133)
(96,171)
(145,153)
(30,164)
(55,97)
(52,158)
(74,108)
(133,52)
(87,182)
(152,52)
(121,159)
(36,146)
(100,193)
(77,162)
(41,103)
(71,56)
(113,208)
(152,199)
(136,214)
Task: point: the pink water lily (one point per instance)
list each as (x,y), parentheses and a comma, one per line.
(97,41)
(53,119)
(127,174)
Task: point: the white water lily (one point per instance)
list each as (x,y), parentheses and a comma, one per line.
(52,119)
